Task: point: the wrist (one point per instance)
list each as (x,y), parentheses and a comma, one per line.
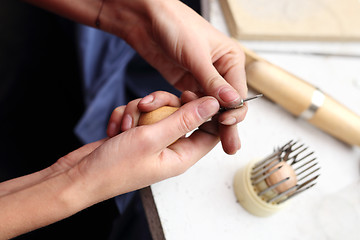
(126,18)
(41,204)
(88,186)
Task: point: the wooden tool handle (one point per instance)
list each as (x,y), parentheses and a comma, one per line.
(295,95)
(279,86)
(156,115)
(339,121)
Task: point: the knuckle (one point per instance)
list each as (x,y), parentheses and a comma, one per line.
(134,103)
(241,116)
(144,134)
(144,137)
(212,82)
(241,56)
(186,123)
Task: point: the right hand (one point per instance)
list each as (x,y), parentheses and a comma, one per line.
(188,51)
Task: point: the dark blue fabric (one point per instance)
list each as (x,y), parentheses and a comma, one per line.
(103,60)
(113,74)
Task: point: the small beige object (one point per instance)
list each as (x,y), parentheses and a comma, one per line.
(264,187)
(285,171)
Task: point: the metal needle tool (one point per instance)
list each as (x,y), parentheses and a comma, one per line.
(223,109)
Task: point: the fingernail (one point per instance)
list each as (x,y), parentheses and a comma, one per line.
(126,122)
(147,99)
(208,108)
(229,121)
(228,95)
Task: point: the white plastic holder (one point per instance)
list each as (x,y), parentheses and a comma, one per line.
(247,194)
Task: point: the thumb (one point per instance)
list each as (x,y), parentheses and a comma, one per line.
(184,120)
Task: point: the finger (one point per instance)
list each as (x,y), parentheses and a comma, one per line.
(188,96)
(232,67)
(215,85)
(184,120)
(231,117)
(188,151)
(211,127)
(130,116)
(158,99)
(187,81)
(229,137)
(113,127)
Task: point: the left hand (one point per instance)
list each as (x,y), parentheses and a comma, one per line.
(98,171)
(127,116)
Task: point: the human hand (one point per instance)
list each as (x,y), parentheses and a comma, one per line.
(128,116)
(142,155)
(135,158)
(189,52)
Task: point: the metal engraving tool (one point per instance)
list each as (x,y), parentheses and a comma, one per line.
(223,109)
(165,111)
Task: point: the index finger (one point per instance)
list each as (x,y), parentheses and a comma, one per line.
(158,99)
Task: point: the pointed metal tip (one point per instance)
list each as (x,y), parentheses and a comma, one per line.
(223,109)
(254,97)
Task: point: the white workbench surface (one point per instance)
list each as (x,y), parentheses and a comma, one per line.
(201,204)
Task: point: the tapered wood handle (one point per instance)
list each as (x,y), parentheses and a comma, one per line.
(334,118)
(279,86)
(296,96)
(156,115)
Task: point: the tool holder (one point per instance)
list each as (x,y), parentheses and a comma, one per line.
(264,186)
(248,197)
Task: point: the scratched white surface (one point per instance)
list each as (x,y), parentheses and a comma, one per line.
(200,204)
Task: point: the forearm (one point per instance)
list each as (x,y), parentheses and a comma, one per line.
(23,182)
(41,204)
(118,17)
(26,181)
(82,11)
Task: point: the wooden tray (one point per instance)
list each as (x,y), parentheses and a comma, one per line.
(332,20)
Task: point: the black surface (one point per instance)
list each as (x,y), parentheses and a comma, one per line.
(40,103)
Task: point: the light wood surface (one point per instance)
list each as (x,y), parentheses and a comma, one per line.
(295,20)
